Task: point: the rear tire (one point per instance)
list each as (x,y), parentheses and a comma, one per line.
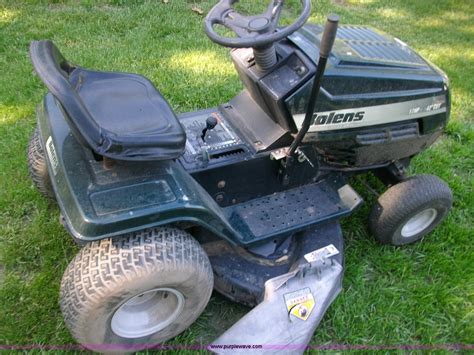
(38,167)
(409,210)
(136,291)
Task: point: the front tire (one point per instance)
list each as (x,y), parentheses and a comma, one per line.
(409,210)
(136,291)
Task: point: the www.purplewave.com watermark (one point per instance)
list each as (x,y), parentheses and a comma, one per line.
(250,347)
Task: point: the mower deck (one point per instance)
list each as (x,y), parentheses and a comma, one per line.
(241,275)
(293,306)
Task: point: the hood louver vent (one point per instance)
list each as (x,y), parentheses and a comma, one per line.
(368,44)
(360,46)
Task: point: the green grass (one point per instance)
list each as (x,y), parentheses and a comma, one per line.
(419,294)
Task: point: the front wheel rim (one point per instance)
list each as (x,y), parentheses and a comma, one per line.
(147,313)
(419,222)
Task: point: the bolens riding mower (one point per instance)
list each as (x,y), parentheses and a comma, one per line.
(244,198)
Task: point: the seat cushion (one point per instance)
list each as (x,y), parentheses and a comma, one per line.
(135,121)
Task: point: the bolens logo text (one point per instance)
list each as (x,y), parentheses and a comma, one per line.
(334,118)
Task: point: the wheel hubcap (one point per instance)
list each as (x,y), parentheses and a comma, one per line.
(419,222)
(147,313)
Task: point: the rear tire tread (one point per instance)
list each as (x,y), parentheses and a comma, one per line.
(38,167)
(108,262)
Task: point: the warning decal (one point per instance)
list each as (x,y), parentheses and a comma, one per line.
(299,303)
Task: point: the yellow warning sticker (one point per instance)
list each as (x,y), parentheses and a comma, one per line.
(299,303)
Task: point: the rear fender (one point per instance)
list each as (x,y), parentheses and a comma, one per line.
(100,200)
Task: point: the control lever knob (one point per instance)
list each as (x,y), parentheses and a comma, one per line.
(211,122)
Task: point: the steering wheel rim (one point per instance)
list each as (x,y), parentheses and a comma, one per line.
(257,37)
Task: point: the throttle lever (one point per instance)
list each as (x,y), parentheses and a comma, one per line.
(327,41)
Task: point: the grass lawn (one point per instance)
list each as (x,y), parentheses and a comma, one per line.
(419,294)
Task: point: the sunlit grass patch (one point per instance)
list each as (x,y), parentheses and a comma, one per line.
(8,15)
(200,63)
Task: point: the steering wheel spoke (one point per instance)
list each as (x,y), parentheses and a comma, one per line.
(273,12)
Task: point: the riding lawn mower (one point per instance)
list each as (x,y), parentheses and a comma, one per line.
(244,198)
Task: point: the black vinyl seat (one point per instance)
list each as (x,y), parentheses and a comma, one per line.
(118,115)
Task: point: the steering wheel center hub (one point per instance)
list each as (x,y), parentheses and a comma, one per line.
(259,23)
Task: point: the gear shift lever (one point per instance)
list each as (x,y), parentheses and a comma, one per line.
(211,122)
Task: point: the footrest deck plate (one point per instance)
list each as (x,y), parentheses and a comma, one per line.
(291,210)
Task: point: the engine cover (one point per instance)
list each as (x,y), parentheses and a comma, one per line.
(380,101)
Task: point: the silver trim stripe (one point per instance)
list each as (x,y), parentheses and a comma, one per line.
(53,157)
(374,115)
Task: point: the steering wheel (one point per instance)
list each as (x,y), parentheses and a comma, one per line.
(256,31)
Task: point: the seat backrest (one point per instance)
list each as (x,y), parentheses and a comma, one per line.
(54,71)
